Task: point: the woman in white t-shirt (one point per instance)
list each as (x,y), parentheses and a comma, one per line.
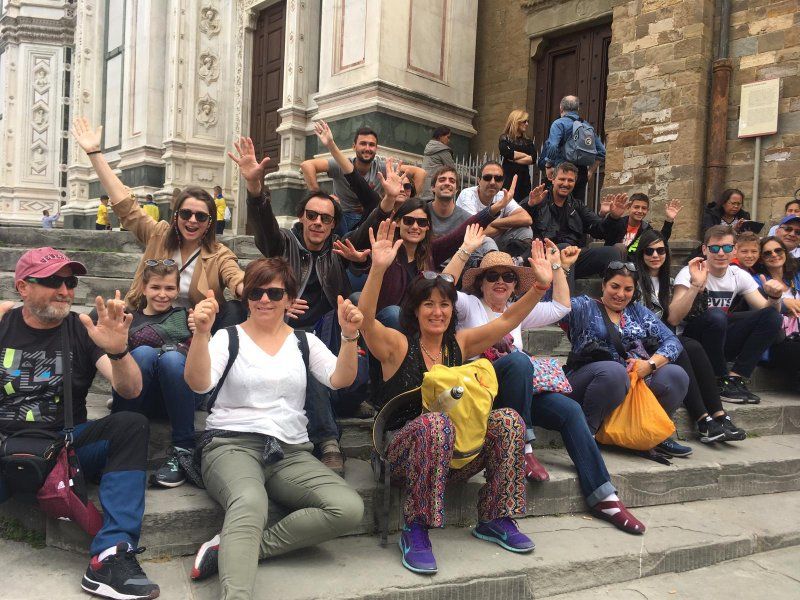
(256,446)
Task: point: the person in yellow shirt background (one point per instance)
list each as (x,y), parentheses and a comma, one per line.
(151,208)
(219,201)
(102,223)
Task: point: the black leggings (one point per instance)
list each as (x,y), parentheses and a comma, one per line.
(702,396)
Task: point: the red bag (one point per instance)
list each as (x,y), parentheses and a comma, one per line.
(63,495)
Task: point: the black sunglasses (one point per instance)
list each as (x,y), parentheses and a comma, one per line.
(312,215)
(616,265)
(273,293)
(497,178)
(430,275)
(506,276)
(167,262)
(55,281)
(777,252)
(199,215)
(661,251)
(422,222)
(715,248)
(408,186)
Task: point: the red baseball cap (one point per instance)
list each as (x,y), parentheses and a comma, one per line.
(43,262)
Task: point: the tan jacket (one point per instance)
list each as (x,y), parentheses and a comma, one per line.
(218,268)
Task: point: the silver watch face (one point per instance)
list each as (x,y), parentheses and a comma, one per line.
(556,267)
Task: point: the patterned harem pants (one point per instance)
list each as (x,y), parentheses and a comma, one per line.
(419,458)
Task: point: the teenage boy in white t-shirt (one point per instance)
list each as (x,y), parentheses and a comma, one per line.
(743,339)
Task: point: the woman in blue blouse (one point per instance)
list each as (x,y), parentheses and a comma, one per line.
(598,372)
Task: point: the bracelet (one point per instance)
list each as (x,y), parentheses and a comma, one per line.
(94,152)
(463,253)
(774,297)
(119,355)
(351,339)
(540,288)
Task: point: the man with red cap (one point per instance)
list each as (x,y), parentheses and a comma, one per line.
(31,389)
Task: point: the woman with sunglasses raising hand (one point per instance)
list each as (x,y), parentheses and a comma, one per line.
(256,447)
(189,239)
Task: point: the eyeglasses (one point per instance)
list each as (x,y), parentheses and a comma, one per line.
(497,178)
(273,293)
(506,276)
(524,121)
(55,281)
(430,275)
(312,215)
(200,216)
(789,229)
(777,252)
(617,265)
(422,222)
(167,262)
(715,248)
(661,251)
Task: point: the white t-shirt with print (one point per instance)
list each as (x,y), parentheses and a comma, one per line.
(468,200)
(722,290)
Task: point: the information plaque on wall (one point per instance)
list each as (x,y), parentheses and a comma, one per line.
(758,112)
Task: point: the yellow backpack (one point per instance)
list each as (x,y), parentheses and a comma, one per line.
(469,412)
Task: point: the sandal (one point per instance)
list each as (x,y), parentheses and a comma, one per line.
(623,520)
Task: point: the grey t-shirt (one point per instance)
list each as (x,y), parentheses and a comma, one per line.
(444,226)
(342,190)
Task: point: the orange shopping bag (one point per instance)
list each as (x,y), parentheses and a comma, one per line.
(639,423)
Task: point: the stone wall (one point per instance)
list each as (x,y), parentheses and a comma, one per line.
(501,70)
(765,44)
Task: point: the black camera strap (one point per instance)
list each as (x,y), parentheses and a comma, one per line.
(613,332)
(66,366)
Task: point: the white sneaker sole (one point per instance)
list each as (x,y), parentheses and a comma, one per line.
(104,591)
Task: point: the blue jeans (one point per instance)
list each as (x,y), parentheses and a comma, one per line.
(347,223)
(515,376)
(164,393)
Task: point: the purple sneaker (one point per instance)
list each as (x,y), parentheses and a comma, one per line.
(416,548)
(504,532)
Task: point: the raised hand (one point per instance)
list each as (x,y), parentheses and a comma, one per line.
(774,288)
(393,182)
(252,170)
(5,307)
(605,205)
(350,317)
(619,204)
(205,313)
(672,208)
(542,271)
(297,309)
(698,272)
(384,246)
(190,322)
(323,133)
(537,195)
(551,252)
(88,139)
(346,250)
(111,332)
(569,256)
(473,238)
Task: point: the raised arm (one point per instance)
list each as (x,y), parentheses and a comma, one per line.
(473,238)
(325,136)
(350,320)
(683,297)
(310,169)
(477,339)
(197,372)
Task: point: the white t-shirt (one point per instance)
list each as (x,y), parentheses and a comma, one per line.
(722,290)
(469,201)
(262,393)
(472,312)
(185,278)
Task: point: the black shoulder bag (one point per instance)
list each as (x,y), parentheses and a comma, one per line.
(28,456)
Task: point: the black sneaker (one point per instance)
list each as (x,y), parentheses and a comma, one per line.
(731,391)
(673,448)
(171,473)
(206,561)
(119,576)
(741,382)
(710,430)
(732,433)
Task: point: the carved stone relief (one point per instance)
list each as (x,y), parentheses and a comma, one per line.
(206,111)
(209,67)
(40,113)
(209,21)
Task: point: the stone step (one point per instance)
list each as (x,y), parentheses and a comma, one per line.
(178,520)
(573,553)
(88,288)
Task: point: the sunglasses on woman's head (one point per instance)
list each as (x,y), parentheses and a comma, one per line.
(429,275)
(617,265)
(777,252)
(312,215)
(199,215)
(273,293)
(506,276)
(497,178)
(422,222)
(55,281)
(715,248)
(661,251)
(167,262)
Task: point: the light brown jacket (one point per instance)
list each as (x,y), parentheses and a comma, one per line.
(215,270)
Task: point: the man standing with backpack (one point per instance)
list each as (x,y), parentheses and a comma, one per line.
(574,140)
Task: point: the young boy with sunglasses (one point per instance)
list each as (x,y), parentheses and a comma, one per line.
(700,306)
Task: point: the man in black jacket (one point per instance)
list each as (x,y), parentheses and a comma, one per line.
(559,217)
(630,228)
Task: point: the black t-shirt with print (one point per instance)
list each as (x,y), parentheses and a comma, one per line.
(31,373)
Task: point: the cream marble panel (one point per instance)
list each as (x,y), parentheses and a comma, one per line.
(352,34)
(427,37)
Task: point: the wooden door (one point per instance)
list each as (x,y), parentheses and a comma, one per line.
(575,63)
(267,95)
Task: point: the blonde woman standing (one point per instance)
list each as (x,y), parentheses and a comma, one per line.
(518,152)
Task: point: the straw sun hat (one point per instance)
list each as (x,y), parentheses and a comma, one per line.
(499,259)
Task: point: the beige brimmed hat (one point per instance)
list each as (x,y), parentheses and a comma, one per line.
(499,259)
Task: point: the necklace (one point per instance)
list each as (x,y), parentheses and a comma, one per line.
(438,358)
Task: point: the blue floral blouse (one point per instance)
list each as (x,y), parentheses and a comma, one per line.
(638,323)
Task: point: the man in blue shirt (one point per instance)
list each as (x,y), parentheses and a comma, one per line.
(560,130)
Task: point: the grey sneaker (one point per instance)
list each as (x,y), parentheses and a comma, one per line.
(171,473)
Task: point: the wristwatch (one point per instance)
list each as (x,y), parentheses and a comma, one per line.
(653,365)
(555,266)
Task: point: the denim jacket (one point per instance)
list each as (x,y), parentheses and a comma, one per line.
(560,130)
